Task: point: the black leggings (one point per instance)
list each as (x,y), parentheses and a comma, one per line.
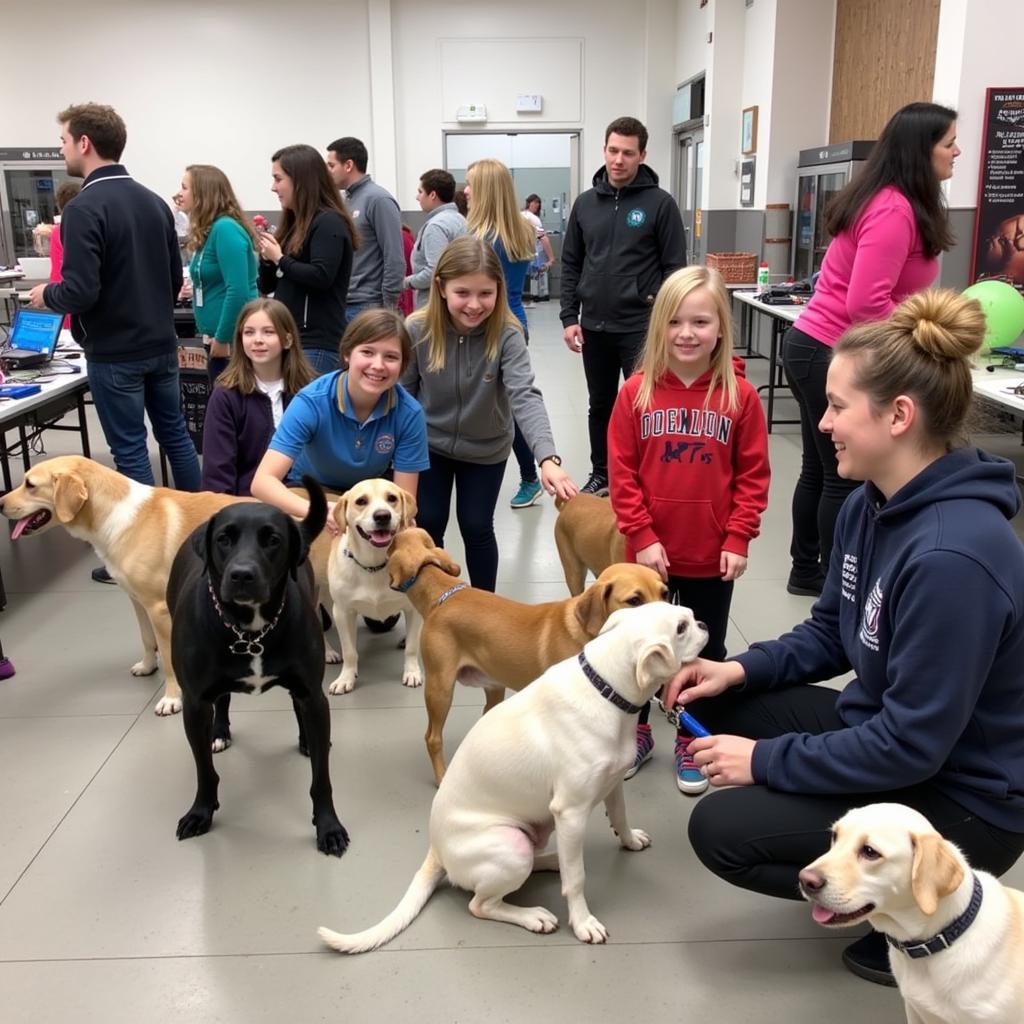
(820,491)
(759,838)
(476,496)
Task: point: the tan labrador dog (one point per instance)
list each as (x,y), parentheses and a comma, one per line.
(961,932)
(369,515)
(587,538)
(135,530)
(480,639)
(540,763)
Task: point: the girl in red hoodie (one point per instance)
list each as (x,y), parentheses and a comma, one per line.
(688,466)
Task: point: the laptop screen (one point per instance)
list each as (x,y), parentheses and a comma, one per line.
(36,330)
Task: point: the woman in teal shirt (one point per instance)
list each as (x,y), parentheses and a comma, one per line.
(224,265)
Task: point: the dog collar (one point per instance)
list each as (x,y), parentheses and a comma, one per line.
(406,585)
(461,585)
(366,568)
(603,688)
(249,640)
(929,947)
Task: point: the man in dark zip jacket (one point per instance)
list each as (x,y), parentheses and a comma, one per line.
(624,237)
(121,275)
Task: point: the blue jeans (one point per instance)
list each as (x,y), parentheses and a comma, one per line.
(476,495)
(323,360)
(123,393)
(354,310)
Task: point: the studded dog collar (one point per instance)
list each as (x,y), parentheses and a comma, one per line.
(366,568)
(918,948)
(604,688)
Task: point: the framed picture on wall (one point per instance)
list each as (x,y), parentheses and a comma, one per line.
(748,134)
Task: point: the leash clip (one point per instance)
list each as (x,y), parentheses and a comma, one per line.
(250,647)
(672,715)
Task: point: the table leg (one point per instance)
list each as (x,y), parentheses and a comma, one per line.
(83,425)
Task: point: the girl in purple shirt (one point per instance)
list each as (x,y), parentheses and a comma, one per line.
(888,227)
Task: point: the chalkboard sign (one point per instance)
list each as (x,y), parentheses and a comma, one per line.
(195,393)
(999,227)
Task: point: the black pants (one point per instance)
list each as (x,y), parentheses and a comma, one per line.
(709,599)
(522,451)
(820,490)
(759,839)
(476,496)
(605,356)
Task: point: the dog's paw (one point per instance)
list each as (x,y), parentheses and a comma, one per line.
(196,823)
(167,706)
(345,683)
(222,743)
(539,919)
(331,838)
(331,656)
(635,839)
(412,677)
(145,667)
(590,930)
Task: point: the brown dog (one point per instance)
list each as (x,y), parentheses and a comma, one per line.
(587,538)
(136,530)
(480,639)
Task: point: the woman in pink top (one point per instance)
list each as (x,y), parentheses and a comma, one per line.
(888,227)
(66,191)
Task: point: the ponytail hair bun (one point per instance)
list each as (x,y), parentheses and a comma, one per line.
(941,323)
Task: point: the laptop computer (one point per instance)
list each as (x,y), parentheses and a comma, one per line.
(33,338)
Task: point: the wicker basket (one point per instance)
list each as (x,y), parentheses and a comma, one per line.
(735,267)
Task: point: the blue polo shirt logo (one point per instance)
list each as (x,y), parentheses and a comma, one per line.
(385,444)
(636,218)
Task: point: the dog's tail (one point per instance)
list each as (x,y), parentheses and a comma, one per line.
(423,883)
(316,518)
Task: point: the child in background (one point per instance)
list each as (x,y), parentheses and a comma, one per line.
(471,373)
(688,467)
(266,368)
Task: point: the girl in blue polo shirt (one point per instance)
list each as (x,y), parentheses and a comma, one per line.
(350,425)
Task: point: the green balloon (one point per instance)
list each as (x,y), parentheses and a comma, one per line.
(1003,307)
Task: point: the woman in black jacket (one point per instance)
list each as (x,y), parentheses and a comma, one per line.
(307,264)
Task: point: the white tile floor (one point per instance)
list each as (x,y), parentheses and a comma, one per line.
(105,917)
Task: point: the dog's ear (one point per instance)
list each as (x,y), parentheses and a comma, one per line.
(409,508)
(340,513)
(936,872)
(204,546)
(69,495)
(592,607)
(657,662)
(441,558)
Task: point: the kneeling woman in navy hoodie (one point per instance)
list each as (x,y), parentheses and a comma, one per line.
(924,601)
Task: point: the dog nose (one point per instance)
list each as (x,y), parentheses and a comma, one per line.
(242,574)
(812,881)
(382,516)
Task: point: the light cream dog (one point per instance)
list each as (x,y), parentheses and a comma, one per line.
(587,537)
(539,763)
(888,866)
(136,531)
(369,515)
(478,638)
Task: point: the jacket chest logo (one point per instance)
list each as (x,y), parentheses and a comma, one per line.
(636,218)
(872,615)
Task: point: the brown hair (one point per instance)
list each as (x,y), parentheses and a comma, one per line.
(376,325)
(212,197)
(924,351)
(312,191)
(66,191)
(296,370)
(438,181)
(102,125)
(628,127)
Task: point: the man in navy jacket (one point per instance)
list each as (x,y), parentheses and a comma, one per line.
(122,273)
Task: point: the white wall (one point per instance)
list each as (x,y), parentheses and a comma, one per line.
(692,50)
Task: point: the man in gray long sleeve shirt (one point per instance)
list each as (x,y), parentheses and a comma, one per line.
(379,263)
(444,222)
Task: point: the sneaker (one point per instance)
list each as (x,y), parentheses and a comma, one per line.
(689,778)
(597,483)
(101,575)
(529,493)
(6,668)
(805,588)
(644,750)
(381,625)
(868,958)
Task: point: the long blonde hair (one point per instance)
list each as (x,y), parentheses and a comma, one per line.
(212,197)
(654,362)
(923,350)
(493,212)
(466,255)
(296,371)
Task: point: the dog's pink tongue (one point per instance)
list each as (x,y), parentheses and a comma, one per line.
(19,527)
(381,536)
(822,914)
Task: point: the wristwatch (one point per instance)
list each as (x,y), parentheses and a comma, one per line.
(551,458)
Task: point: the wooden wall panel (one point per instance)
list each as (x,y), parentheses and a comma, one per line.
(884,58)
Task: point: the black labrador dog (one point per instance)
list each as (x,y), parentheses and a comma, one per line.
(243,619)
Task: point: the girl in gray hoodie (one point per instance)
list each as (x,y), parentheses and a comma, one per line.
(471,373)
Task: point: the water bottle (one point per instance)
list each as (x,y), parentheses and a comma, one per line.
(762,278)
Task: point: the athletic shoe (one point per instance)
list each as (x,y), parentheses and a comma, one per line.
(101,575)
(644,750)
(868,958)
(596,484)
(529,493)
(805,588)
(6,668)
(689,777)
(381,625)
